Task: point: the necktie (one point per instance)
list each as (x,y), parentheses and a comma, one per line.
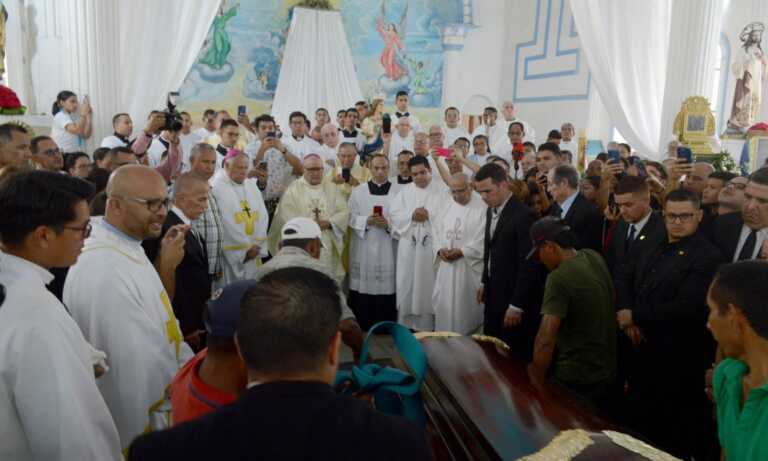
(749,246)
(630,238)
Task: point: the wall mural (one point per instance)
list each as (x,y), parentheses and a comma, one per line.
(395,45)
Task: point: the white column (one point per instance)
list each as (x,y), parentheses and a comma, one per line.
(453,44)
(693,42)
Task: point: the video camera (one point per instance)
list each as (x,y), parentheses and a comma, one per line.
(173,120)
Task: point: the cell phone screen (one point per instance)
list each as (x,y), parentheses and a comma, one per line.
(614,156)
(386,124)
(241,110)
(378,210)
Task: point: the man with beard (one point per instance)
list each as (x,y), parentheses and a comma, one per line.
(117,298)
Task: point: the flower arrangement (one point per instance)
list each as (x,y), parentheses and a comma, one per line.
(9,102)
(724,162)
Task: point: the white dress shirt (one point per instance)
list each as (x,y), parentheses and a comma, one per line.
(762,234)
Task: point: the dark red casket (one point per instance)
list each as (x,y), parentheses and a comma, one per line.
(481,404)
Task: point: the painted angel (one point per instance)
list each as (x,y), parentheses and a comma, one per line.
(393,43)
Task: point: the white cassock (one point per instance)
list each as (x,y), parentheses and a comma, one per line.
(452,134)
(112,141)
(116,297)
(323,201)
(355,137)
(456,283)
(50,407)
(372,249)
(244,221)
(415,270)
(573,147)
(496,134)
(414,121)
(398,144)
(301,147)
(155,151)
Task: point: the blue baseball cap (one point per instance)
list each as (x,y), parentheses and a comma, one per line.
(223,309)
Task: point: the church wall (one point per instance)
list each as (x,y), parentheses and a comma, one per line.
(544,71)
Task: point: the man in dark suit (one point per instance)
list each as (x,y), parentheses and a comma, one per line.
(741,236)
(581,215)
(639,226)
(662,309)
(509,281)
(289,410)
(191,281)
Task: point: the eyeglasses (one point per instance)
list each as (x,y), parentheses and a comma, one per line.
(153,205)
(459,191)
(52,152)
(681,218)
(314,170)
(86,230)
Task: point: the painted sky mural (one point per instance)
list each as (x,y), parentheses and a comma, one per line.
(395,45)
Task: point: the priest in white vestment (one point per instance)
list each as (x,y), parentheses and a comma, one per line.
(330,148)
(123,128)
(491,128)
(372,248)
(508,113)
(458,249)
(413,210)
(453,129)
(115,295)
(396,142)
(322,201)
(50,405)
(244,219)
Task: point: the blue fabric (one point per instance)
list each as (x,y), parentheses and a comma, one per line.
(395,392)
(744,160)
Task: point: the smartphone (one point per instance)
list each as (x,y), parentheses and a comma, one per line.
(346,173)
(684,153)
(640,165)
(386,124)
(86,99)
(241,110)
(378,210)
(444,152)
(272,134)
(614,156)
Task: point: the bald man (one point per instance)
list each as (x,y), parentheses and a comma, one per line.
(192,278)
(321,201)
(116,296)
(244,219)
(696,181)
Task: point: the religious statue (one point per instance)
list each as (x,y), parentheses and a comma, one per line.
(393,44)
(217,54)
(751,70)
(3,22)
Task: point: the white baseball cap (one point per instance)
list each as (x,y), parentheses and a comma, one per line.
(300,228)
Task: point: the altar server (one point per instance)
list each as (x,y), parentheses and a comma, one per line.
(50,407)
(372,252)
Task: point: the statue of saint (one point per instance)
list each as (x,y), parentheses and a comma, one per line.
(751,70)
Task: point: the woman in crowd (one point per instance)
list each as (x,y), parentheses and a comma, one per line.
(70,127)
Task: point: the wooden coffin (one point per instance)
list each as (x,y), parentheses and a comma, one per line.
(481,404)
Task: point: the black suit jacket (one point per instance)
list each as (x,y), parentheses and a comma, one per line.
(726,232)
(586,221)
(666,289)
(193,280)
(287,421)
(653,233)
(509,279)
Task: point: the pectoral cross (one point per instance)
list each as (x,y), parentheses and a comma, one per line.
(246,217)
(316,210)
(171,327)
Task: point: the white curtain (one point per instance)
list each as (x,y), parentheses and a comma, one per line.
(317,69)
(625,43)
(127,55)
(693,43)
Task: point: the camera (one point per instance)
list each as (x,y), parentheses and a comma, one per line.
(173,120)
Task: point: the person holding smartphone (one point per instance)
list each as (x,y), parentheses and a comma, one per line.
(71,127)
